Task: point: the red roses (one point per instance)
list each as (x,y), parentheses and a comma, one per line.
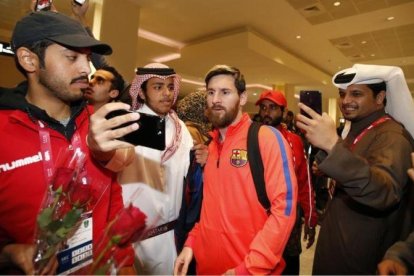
(128,227)
(67,197)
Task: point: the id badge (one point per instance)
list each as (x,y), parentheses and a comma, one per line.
(78,250)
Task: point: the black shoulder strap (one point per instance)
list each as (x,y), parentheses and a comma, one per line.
(256,164)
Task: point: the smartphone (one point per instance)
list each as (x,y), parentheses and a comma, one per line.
(79,2)
(311,98)
(43,5)
(151,131)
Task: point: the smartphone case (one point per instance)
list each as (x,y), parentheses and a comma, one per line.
(311,98)
(151,131)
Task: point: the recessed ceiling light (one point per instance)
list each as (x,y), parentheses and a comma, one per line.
(372,55)
(390,18)
(337,4)
(363,42)
(298,37)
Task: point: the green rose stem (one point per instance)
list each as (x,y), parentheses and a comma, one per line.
(113,241)
(53,232)
(44,221)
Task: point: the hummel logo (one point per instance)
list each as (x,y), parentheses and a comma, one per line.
(21,162)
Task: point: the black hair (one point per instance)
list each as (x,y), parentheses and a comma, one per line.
(144,90)
(124,95)
(118,82)
(239,81)
(377,88)
(39,49)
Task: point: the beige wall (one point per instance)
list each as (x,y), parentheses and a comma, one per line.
(119,25)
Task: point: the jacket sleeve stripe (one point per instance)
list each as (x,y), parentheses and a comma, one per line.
(288,179)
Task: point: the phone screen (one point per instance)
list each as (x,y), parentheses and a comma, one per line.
(151,131)
(311,98)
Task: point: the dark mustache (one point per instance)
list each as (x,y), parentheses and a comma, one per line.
(217,106)
(82,78)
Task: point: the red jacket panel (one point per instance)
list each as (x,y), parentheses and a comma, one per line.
(23,186)
(234,230)
(306,195)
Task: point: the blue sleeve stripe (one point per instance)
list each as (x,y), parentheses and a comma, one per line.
(288,179)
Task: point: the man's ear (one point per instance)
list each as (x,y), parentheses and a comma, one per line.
(27,59)
(113,93)
(243,98)
(142,95)
(380,97)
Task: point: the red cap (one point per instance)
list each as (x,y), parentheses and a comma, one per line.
(275,96)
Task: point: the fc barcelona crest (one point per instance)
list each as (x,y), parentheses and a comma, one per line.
(238,158)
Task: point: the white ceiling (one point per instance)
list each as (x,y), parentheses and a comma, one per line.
(259,37)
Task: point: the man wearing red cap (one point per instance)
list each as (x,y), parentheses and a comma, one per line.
(272,107)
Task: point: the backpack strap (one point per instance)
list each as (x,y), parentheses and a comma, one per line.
(256,164)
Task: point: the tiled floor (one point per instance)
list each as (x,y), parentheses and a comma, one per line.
(306,258)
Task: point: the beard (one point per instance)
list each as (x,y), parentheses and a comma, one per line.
(220,120)
(351,116)
(267,120)
(58,87)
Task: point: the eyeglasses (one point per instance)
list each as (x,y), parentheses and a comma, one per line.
(270,107)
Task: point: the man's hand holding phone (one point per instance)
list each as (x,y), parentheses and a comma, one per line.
(151,131)
(320,130)
(103,137)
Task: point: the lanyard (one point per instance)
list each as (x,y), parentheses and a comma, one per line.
(371,126)
(46,149)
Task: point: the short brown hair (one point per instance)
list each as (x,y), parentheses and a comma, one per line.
(239,81)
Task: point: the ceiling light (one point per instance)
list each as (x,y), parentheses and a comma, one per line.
(279,60)
(160,39)
(372,55)
(363,42)
(298,37)
(390,18)
(337,4)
